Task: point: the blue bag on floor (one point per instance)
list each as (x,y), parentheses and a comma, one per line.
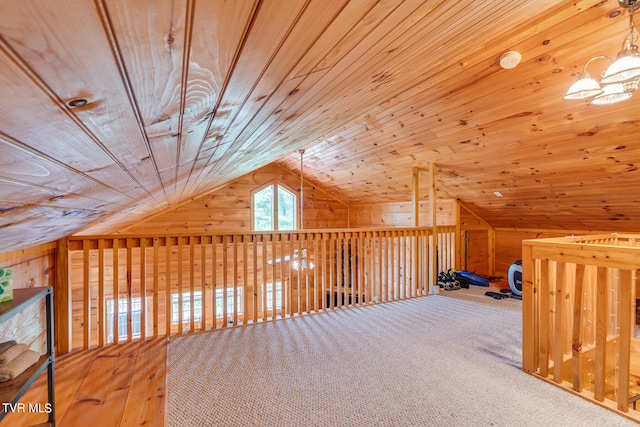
(473,278)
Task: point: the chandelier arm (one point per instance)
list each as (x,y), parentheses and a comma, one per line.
(584,69)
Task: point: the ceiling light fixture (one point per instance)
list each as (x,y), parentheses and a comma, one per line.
(621,78)
(78,102)
(510,59)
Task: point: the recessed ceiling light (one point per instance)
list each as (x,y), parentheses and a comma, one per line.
(78,102)
(497,193)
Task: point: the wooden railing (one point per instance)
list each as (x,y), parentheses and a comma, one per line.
(579,316)
(123,288)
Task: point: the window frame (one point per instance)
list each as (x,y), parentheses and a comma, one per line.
(274,210)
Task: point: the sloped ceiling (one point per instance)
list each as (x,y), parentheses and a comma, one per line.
(183,96)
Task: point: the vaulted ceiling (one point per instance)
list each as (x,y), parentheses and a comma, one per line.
(112,110)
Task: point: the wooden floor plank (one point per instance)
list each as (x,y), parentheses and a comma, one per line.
(103,393)
(119,385)
(146,401)
(70,371)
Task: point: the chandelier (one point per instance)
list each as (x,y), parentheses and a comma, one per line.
(617,82)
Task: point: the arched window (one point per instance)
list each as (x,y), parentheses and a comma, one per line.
(274,208)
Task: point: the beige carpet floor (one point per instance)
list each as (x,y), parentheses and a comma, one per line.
(431,361)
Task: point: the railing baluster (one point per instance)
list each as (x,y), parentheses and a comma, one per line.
(214,282)
(156,290)
(254,258)
(225,319)
(168,308)
(101,297)
(203,284)
(116,293)
(143,288)
(245,273)
(180,288)
(560,329)
(234,281)
(86,295)
(576,337)
(192,279)
(602,312)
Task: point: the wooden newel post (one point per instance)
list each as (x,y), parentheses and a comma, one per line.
(62,298)
(528,309)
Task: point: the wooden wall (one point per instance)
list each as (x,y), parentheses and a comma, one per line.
(476,243)
(229,208)
(31,267)
(400,214)
(508,243)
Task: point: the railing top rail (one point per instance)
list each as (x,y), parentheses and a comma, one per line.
(137,240)
(612,239)
(251,233)
(610,250)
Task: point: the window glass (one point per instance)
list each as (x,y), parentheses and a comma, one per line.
(263,209)
(286,209)
(267,201)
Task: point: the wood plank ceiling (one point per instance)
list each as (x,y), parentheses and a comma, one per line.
(183,96)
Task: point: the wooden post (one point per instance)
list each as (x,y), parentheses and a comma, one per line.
(627,324)
(301,188)
(433,277)
(62,297)
(415,192)
(415,197)
(458,239)
(528,309)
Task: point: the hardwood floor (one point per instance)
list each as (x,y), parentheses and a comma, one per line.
(119,385)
